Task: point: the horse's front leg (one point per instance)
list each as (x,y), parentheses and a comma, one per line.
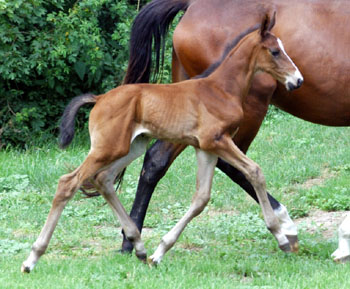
(227,150)
(205,172)
(342,254)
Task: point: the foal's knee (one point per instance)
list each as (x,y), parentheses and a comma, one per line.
(200,202)
(256,175)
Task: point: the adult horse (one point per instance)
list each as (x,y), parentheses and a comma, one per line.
(324,60)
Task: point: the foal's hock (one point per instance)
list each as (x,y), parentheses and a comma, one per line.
(204,112)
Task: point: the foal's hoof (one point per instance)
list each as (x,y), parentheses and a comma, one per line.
(142,257)
(25,269)
(293,242)
(151,263)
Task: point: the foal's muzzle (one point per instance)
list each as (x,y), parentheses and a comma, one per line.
(294,81)
(292,86)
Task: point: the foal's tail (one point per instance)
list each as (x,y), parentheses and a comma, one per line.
(68,118)
(150,27)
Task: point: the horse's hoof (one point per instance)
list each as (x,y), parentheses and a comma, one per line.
(293,242)
(340,257)
(124,252)
(344,259)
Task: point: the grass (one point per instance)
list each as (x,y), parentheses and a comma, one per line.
(227,246)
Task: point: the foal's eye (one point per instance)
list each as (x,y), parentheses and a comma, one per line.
(275,53)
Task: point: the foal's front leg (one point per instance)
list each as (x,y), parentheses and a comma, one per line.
(206,164)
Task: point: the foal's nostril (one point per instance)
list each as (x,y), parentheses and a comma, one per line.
(300,82)
(291,86)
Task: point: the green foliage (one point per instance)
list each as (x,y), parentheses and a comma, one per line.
(14,183)
(52,50)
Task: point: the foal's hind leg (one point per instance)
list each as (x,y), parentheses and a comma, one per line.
(67,186)
(227,150)
(105,181)
(206,165)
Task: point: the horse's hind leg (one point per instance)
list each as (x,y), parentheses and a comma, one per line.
(342,254)
(206,165)
(105,181)
(67,186)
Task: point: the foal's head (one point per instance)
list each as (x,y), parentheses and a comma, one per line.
(273,59)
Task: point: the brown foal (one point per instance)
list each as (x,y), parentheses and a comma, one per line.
(204,112)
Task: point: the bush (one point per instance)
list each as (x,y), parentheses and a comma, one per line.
(51,51)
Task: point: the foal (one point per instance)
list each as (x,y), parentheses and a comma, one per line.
(204,113)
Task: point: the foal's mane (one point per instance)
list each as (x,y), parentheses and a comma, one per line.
(228,48)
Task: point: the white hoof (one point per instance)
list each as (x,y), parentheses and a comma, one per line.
(155,259)
(339,256)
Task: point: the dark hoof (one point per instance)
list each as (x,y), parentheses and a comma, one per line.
(127,247)
(294,243)
(25,269)
(142,257)
(124,252)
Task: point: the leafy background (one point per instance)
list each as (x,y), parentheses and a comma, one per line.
(53,50)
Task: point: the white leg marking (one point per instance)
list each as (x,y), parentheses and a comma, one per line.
(342,254)
(287,225)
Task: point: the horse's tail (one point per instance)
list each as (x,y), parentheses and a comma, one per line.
(150,27)
(68,118)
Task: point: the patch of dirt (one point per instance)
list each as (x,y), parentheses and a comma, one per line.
(317,181)
(190,247)
(326,223)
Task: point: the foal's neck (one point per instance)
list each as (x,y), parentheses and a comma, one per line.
(235,73)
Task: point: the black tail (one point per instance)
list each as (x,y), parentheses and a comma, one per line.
(68,118)
(150,27)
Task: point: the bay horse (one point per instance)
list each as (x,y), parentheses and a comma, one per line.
(324,60)
(204,113)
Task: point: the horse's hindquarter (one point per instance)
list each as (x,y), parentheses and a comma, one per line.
(315,34)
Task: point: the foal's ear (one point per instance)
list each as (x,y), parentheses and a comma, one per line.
(267,24)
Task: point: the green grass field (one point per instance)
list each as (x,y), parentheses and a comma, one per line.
(227,246)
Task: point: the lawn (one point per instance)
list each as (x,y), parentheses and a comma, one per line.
(227,246)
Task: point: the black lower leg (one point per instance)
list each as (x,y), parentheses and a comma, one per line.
(157,161)
(236,176)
